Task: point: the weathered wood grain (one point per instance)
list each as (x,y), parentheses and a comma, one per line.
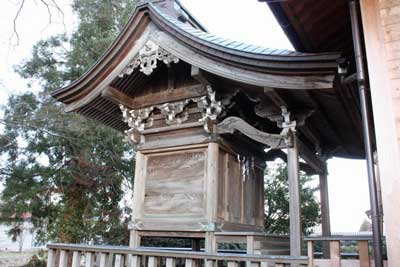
(175,184)
(232,124)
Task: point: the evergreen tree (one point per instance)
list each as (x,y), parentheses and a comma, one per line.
(68,171)
(276,195)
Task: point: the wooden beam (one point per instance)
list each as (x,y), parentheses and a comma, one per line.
(311,158)
(180,93)
(116,96)
(232,124)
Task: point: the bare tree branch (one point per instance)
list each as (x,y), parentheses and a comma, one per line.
(48,5)
(15,20)
(48,9)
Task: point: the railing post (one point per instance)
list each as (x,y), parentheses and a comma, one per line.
(191,263)
(89,261)
(363,253)
(232,264)
(134,261)
(76,259)
(103,260)
(51,259)
(63,259)
(170,262)
(334,246)
(119,261)
(310,253)
(152,262)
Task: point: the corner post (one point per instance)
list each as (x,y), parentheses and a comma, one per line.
(294,197)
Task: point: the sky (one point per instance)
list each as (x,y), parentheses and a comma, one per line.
(243,20)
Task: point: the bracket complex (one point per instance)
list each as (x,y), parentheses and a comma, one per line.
(147,59)
(175,113)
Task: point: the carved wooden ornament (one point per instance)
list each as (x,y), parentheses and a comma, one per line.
(147,59)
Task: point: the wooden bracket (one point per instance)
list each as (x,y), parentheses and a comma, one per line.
(232,124)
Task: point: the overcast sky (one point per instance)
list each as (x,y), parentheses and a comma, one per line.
(248,21)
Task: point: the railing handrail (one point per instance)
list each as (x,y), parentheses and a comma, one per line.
(176,254)
(339,238)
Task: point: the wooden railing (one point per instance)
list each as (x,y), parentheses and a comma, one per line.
(65,255)
(362,258)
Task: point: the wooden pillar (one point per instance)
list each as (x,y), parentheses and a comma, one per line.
(212,191)
(294,198)
(138,197)
(325,217)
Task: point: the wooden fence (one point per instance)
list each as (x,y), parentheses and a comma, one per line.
(65,255)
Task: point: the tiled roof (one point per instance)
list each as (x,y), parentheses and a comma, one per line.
(224,42)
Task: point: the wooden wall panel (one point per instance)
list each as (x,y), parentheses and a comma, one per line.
(175,184)
(234,189)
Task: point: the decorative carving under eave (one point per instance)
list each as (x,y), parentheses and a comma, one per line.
(147,59)
(174,113)
(211,108)
(137,120)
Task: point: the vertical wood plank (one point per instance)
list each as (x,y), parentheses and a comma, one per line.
(51,259)
(363,252)
(212,181)
(76,259)
(189,263)
(310,253)
(294,198)
(110,259)
(249,248)
(134,261)
(134,239)
(325,215)
(103,260)
(119,260)
(170,262)
(63,259)
(138,194)
(210,243)
(89,259)
(335,253)
(210,263)
(152,262)
(250,244)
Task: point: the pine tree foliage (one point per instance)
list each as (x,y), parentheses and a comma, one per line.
(68,171)
(276,195)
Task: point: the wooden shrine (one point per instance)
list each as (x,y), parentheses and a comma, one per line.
(205,114)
